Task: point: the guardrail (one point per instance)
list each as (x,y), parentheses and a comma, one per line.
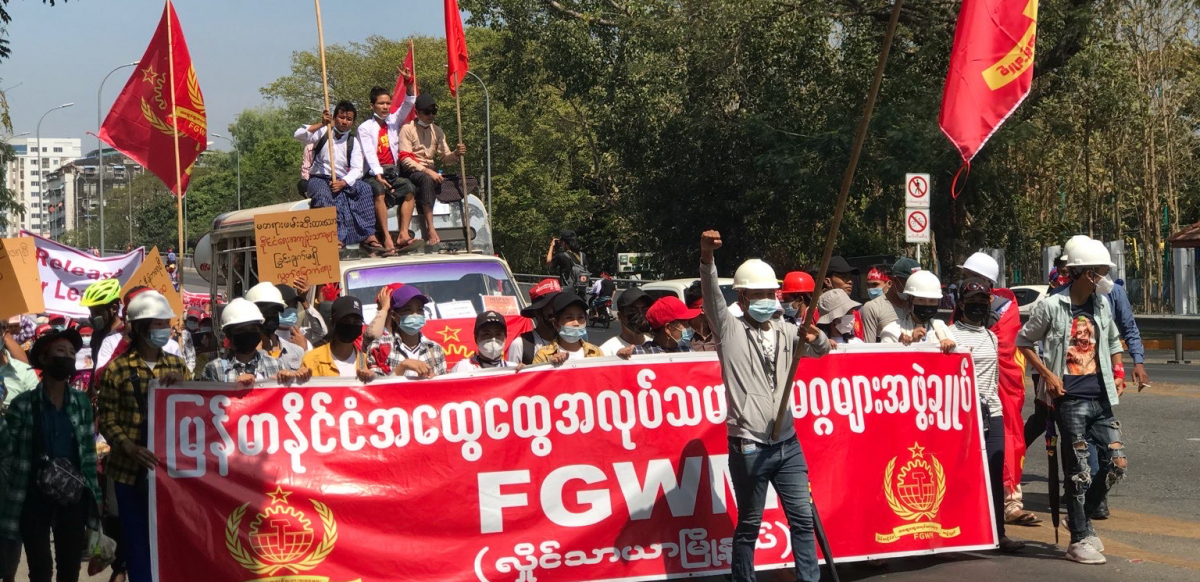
(531,279)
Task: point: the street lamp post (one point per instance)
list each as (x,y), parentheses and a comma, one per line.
(100,152)
(487,116)
(41,172)
(238,152)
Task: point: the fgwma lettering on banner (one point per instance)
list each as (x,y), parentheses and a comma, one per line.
(598,470)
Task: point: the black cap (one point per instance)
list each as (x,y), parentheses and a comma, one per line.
(536,307)
(345,306)
(567,299)
(489,317)
(43,343)
(425,101)
(289,294)
(630,296)
(839,265)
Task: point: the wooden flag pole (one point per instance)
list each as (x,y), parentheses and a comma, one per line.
(175,122)
(325,84)
(462,164)
(847,181)
(412,49)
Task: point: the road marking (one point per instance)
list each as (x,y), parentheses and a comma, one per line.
(1194,440)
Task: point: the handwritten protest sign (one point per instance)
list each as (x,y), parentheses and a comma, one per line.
(295,244)
(152,273)
(20,285)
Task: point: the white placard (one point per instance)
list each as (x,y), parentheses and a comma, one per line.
(917,191)
(456,309)
(916,225)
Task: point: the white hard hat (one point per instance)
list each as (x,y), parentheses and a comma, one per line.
(265,293)
(240,311)
(1072,244)
(1090,253)
(755,274)
(984,265)
(149,305)
(925,285)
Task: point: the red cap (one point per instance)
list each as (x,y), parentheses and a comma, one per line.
(85,330)
(877,275)
(668,309)
(545,287)
(697,304)
(57,317)
(798,282)
(42,329)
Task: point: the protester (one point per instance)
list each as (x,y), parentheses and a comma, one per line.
(877,283)
(570,319)
(244,362)
(491,331)
(880,311)
(349,194)
(118,342)
(270,303)
(924,291)
(426,142)
(703,339)
(1083,374)
(187,344)
(204,341)
(756,355)
(123,391)
(410,354)
(339,356)
(541,310)
(103,300)
(565,258)
(841,275)
(50,434)
(970,332)
(379,136)
(16,376)
(632,305)
(670,320)
(837,318)
(797,293)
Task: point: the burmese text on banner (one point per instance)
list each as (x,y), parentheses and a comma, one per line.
(594,471)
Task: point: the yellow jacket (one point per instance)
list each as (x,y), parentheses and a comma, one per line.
(320,361)
(543,354)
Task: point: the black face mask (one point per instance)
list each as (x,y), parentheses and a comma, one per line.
(347,332)
(246,341)
(60,368)
(637,321)
(976,312)
(271,322)
(925,313)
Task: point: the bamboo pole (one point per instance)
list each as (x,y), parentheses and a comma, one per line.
(412,50)
(325,84)
(462,164)
(174,109)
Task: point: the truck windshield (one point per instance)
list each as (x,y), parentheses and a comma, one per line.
(456,289)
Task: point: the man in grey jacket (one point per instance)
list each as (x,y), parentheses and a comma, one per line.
(756,353)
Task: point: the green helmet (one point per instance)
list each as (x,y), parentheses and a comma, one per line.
(101,293)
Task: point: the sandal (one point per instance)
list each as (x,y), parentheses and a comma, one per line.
(374,248)
(1026,518)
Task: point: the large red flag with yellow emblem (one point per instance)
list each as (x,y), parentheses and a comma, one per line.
(991,70)
(146,118)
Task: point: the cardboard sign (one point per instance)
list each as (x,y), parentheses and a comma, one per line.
(295,244)
(20,285)
(153,274)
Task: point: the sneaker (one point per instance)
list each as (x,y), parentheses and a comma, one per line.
(1084,553)
(1096,543)
(1010,546)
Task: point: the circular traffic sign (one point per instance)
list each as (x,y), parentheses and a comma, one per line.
(917,221)
(918,187)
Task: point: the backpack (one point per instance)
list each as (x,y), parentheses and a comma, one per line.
(528,348)
(325,139)
(577,277)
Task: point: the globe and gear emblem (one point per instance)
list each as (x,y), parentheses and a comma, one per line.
(915,494)
(281,537)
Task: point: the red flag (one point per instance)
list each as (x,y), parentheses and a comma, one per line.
(991,70)
(143,121)
(402,88)
(456,47)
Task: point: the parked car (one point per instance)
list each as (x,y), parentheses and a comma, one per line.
(1028,297)
(676,287)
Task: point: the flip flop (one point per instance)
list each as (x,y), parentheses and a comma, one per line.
(375,249)
(1026,518)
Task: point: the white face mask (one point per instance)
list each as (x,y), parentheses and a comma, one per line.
(422,123)
(1105,286)
(492,349)
(845,324)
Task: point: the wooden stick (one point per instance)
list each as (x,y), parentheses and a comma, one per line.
(413,50)
(462,164)
(847,181)
(325,84)
(175,123)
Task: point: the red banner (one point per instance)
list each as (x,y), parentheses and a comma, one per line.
(598,470)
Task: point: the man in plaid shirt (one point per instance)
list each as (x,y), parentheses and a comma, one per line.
(244,363)
(123,392)
(410,354)
(671,322)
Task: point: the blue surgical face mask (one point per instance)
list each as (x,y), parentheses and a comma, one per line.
(412,324)
(874,292)
(159,337)
(789,309)
(685,340)
(763,309)
(288,318)
(573,333)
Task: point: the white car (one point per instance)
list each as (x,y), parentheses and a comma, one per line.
(676,287)
(1028,296)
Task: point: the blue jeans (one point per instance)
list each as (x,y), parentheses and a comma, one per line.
(133,503)
(1081,422)
(783,466)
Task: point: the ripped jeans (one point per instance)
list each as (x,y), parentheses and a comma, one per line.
(1079,422)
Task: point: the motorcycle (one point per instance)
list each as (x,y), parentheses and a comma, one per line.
(600,312)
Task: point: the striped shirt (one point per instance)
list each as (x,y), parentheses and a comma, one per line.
(982,343)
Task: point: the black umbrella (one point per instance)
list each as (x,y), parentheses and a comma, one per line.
(1052,457)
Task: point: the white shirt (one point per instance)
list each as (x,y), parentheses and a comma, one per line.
(892,331)
(368,136)
(469,365)
(616,344)
(109,345)
(346,367)
(351,172)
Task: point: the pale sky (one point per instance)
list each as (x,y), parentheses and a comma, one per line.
(61,53)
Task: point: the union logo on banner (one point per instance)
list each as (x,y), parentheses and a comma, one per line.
(915,494)
(282,539)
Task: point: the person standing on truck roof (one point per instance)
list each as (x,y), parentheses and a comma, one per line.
(380,138)
(541,311)
(424,141)
(349,194)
